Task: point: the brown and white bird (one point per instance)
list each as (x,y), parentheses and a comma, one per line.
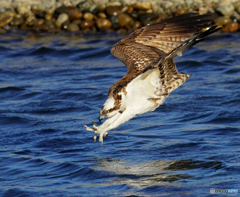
(152,74)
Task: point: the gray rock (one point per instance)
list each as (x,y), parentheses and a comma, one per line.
(2,31)
(114,21)
(225,9)
(103,23)
(143,5)
(18,20)
(6,18)
(124,19)
(235,17)
(238,9)
(88,16)
(61,19)
(72,27)
(116,10)
(5,4)
(87,24)
(30,19)
(50,23)
(221,21)
(23,8)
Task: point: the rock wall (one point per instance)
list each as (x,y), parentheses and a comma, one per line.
(108,15)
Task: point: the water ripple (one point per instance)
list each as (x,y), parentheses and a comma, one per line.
(50,86)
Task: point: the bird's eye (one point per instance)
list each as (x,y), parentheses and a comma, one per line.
(105,111)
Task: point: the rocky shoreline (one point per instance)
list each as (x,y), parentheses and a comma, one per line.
(78,16)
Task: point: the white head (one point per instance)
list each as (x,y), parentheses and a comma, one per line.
(109,109)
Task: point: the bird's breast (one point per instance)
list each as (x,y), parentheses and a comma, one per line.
(141,96)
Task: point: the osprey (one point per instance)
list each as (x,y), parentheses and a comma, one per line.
(152,74)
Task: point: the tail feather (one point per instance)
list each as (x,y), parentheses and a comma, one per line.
(175,83)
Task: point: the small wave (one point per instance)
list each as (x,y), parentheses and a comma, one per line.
(232,71)
(74,172)
(187,64)
(52,107)
(11,89)
(59,142)
(5,50)
(223,131)
(57,84)
(14,119)
(42,51)
(195,117)
(224,117)
(17,193)
(29,95)
(199,54)
(232,102)
(63,168)
(93,54)
(194,164)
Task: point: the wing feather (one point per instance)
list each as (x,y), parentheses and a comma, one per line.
(147,44)
(136,56)
(150,46)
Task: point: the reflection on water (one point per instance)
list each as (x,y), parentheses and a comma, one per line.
(154,174)
(50,86)
(138,174)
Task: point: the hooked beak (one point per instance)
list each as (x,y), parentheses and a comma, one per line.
(101,117)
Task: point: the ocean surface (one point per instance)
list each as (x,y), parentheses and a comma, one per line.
(50,86)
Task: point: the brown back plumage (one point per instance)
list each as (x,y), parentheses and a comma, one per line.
(150,43)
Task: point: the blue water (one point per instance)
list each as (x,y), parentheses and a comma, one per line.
(52,85)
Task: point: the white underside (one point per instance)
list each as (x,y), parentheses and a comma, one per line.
(137,101)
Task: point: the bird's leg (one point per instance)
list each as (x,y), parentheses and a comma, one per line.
(109,124)
(93,130)
(101,134)
(101,138)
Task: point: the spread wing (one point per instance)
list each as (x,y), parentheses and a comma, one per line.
(169,79)
(149,43)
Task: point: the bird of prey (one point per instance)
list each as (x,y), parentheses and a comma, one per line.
(152,74)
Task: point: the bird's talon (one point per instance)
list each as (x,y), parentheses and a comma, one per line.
(88,128)
(96,132)
(101,137)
